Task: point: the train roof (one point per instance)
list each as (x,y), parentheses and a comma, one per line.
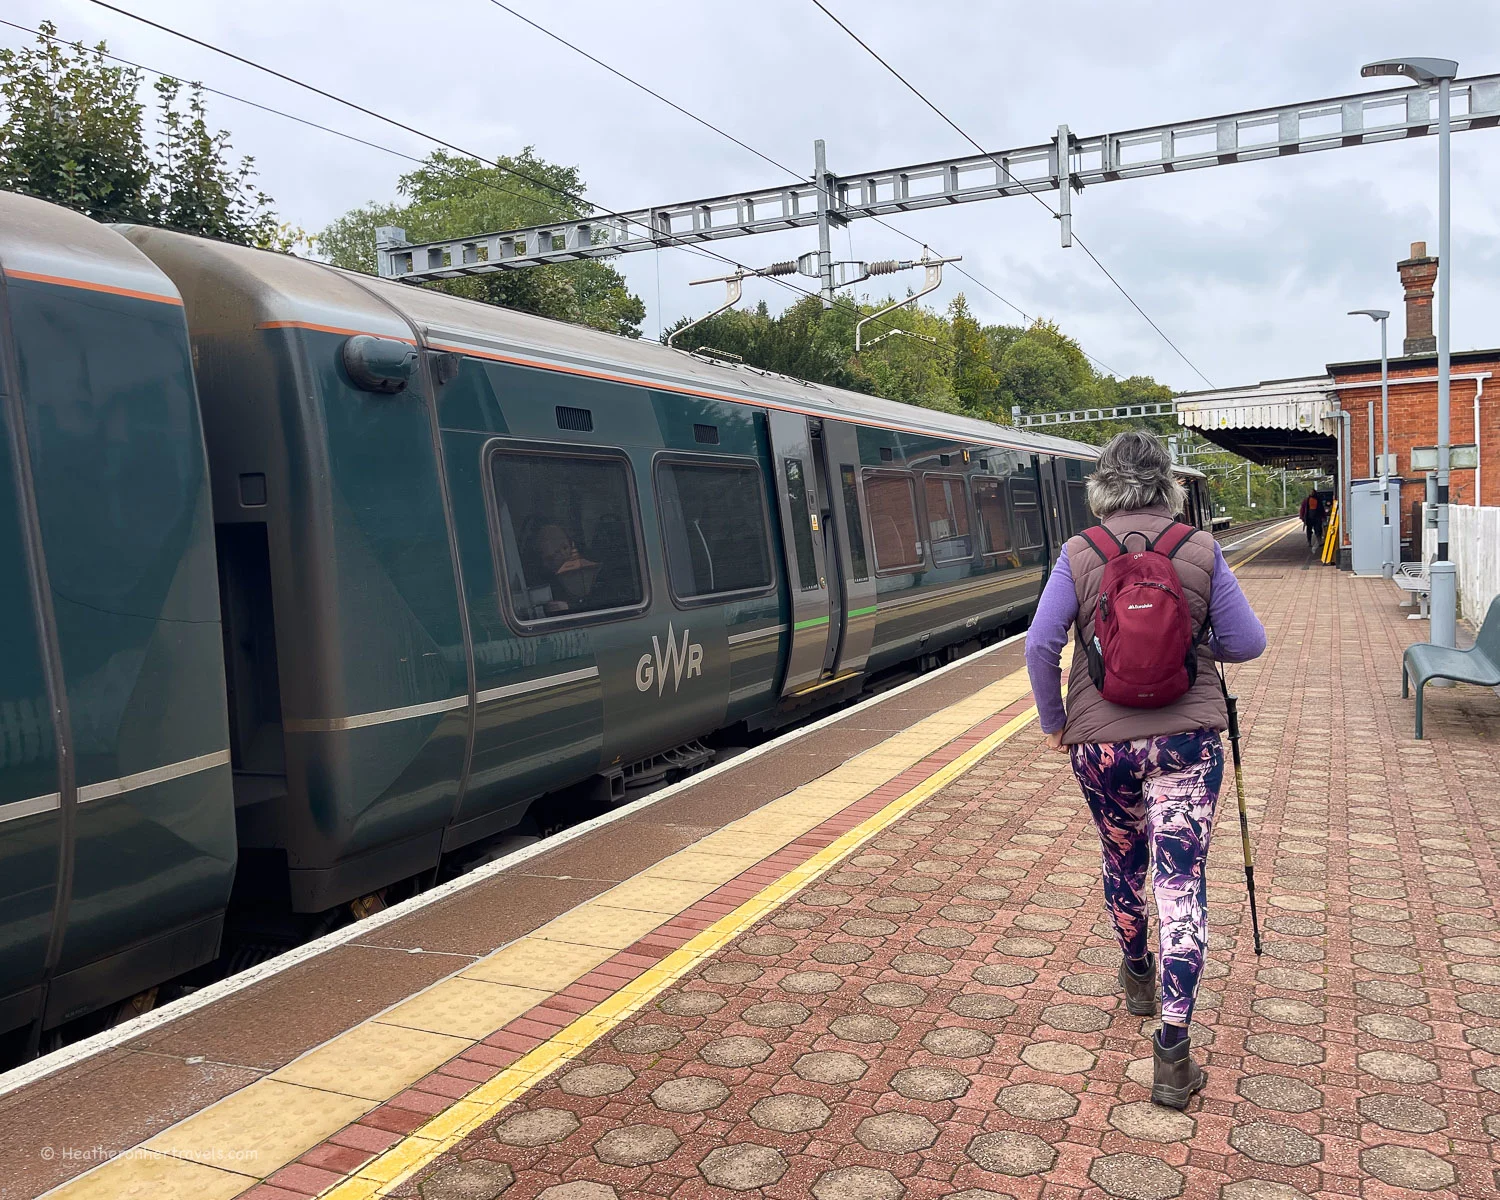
(472,326)
(284,290)
(41,241)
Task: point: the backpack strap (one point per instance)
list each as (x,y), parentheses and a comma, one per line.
(1103,542)
(1172,539)
(1168,542)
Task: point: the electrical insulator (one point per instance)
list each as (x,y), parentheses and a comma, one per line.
(887,266)
(789,267)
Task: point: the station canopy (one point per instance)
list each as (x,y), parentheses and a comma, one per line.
(1279,423)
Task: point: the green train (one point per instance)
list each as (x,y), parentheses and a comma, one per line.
(309,580)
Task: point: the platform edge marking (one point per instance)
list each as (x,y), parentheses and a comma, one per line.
(408,1156)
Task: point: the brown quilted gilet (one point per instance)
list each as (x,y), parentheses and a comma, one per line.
(1092,718)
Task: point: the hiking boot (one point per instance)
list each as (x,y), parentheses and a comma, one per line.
(1175,1076)
(1140,990)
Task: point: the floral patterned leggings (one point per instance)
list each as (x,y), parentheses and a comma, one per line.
(1157,794)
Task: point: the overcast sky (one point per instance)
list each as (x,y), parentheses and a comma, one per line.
(1249,269)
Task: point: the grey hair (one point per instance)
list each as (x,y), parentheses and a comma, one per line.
(1134,471)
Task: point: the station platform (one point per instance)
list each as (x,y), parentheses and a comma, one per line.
(869,961)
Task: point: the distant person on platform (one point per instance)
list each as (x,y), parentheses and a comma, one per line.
(1150,774)
(1314,520)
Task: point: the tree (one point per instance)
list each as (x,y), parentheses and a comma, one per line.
(947,362)
(450,196)
(1041,369)
(72,131)
(196,188)
(72,134)
(810,342)
(975,382)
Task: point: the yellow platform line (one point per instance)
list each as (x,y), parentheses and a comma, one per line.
(448,1128)
(1290,525)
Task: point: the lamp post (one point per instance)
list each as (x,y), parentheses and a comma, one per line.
(1388,563)
(1442,575)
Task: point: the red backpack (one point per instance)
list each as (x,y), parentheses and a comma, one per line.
(1143,653)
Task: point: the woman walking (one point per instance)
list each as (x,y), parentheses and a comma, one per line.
(1148,758)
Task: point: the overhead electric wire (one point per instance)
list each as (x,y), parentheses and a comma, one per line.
(454,172)
(338,133)
(915,91)
(352,104)
(636,83)
(212,91)
(707,124)
(673,240)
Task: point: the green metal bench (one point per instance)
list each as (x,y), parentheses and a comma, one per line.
(1479,665)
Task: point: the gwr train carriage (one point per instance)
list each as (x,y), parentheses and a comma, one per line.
(466,559)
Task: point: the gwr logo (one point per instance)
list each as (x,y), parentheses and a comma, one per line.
(656,666)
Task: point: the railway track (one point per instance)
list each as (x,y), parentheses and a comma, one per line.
(1234,533)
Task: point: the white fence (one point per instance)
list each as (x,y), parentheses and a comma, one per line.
(1474,543)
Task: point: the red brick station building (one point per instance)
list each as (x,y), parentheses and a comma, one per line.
(1321,421)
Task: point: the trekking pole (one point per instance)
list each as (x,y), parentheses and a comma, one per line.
(1231,702)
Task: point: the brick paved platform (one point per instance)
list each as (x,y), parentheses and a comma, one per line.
(896,981)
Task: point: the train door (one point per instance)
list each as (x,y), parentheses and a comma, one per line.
(799,502)
(834,570)
(847,548)
(1051,512)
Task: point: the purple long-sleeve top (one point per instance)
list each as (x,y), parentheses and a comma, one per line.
(1237,634)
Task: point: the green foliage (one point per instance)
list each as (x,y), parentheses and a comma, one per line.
(196,187)
(976,383)
(72,131)
(945,361)
(801,342)
(450,196)
(73,134)
(1037,374)
(810,342)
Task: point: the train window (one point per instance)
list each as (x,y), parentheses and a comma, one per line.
(989,507)
(892,501)
(1028,515)
(856,524)
(568,534)
(947,517)
(714,525)
(1078,506)
(796,495)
